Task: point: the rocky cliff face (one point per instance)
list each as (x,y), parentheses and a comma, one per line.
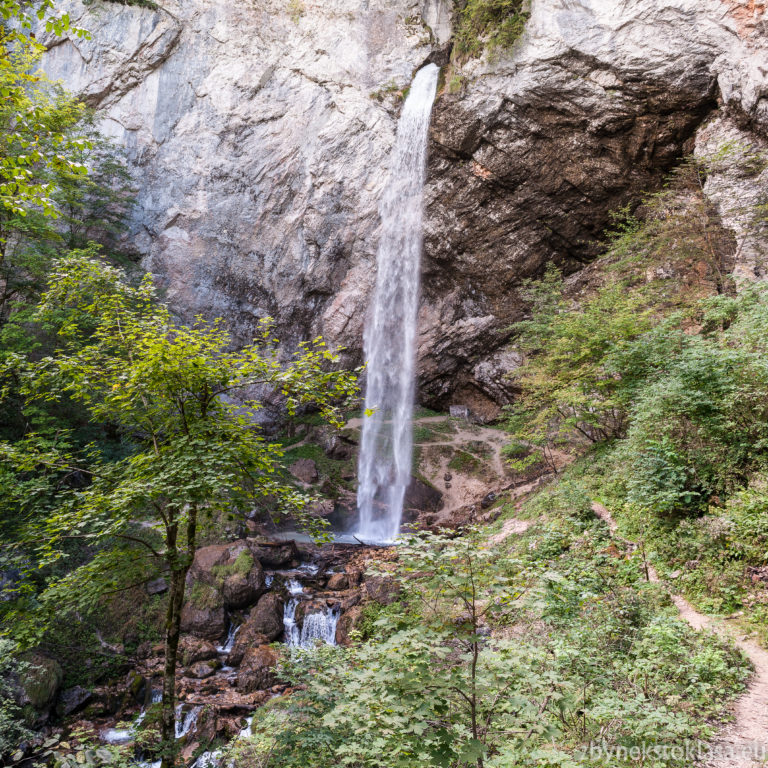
(259,133)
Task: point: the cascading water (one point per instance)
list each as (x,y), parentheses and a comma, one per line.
(320,625)
(390,337)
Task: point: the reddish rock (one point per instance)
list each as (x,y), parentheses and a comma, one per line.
(257,670)
(348,622)
(266,617)
(382,589)
(338,581)
(193,649)
(304,470)
(247,637)
(230,569)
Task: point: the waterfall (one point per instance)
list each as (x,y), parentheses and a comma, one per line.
(229,643)
(185,722)
(320,625)
(390,336)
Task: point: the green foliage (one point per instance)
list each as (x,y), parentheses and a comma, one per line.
(589,357)
(195,453)
(241,565)
(12,727)
(494,657)
(488,24)
(35,127)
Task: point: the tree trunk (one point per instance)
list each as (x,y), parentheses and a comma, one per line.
(172,632)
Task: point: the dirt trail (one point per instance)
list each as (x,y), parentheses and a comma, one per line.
(463,489)
(744,742)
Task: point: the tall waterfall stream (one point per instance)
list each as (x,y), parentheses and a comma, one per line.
(390,336)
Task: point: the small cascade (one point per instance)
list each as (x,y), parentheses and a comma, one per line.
(386,445)
(320,626)
(186,721)
(229,643)
(118,736)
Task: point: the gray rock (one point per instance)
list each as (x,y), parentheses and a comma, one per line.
(260,142)
(71,700)
(157,586)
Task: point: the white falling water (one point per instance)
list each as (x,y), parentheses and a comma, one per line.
(320,625)
(185,721)
(229,643)
(390,337)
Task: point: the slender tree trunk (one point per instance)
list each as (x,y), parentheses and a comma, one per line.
(172,633)
(180,564)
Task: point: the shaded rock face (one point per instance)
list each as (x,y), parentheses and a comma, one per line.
(260,141)
(266,617)
(257,669)
(528,160)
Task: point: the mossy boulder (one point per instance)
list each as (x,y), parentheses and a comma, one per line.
(40,681)
(229,569)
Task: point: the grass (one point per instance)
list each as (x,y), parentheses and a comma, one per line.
(332,469)
(242,565)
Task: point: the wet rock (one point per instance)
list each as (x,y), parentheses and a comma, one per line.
(266,617)
(72,699)
(247,637)
(257,669)
(304,470)
(273,554)
(488,500)
(338,581)
(193,649)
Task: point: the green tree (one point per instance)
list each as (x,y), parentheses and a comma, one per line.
(433,689)
(196,452)
(33,126)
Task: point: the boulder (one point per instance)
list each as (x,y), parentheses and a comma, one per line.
(348,622)
(338,581)
(157,586)
(203,614)
(247,637)
(273,554)
(230,569)
(382,589)
(71,700)
(304,470)
(266,617)
(203,669)
(193,649)
(40,681)
(257,669)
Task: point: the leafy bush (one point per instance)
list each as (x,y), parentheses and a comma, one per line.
(488,24)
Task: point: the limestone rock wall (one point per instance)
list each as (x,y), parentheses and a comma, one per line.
(259,134)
